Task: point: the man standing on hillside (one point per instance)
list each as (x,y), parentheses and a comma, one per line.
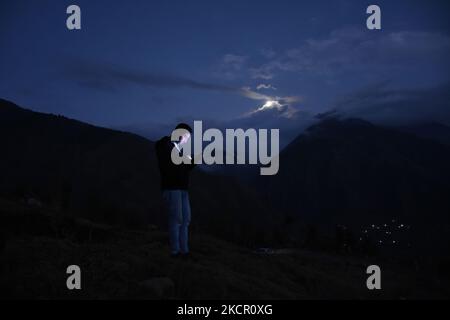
(174,187)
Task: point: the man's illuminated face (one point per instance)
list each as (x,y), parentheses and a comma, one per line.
(185,138)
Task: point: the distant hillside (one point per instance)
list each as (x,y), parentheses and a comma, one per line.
(97,172)
(75,193)
(339,172)
(353,173)
(431,130)
(111,176)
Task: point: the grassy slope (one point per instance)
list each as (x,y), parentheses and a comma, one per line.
(39,246)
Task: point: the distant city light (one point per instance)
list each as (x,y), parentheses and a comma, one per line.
(387,232)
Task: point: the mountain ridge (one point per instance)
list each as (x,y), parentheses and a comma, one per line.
(109,176)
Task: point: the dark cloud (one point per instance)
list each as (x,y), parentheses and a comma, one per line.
(111,77)
(361,52)
(384,105)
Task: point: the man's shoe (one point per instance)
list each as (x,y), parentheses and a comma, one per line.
(175,255)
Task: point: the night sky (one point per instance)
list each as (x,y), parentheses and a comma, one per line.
(151,63)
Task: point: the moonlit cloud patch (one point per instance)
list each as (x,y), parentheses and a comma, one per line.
(270,104)
(263,86)
(277,107)
(248,93)
(283,105)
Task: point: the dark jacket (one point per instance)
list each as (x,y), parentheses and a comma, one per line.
(173,177)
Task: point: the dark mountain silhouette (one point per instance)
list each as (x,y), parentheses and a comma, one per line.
(110,176)
(74,166)
(355,174)
(75,193)
(430,130)
(339,172)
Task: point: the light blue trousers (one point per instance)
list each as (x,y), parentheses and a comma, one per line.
(179,214)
